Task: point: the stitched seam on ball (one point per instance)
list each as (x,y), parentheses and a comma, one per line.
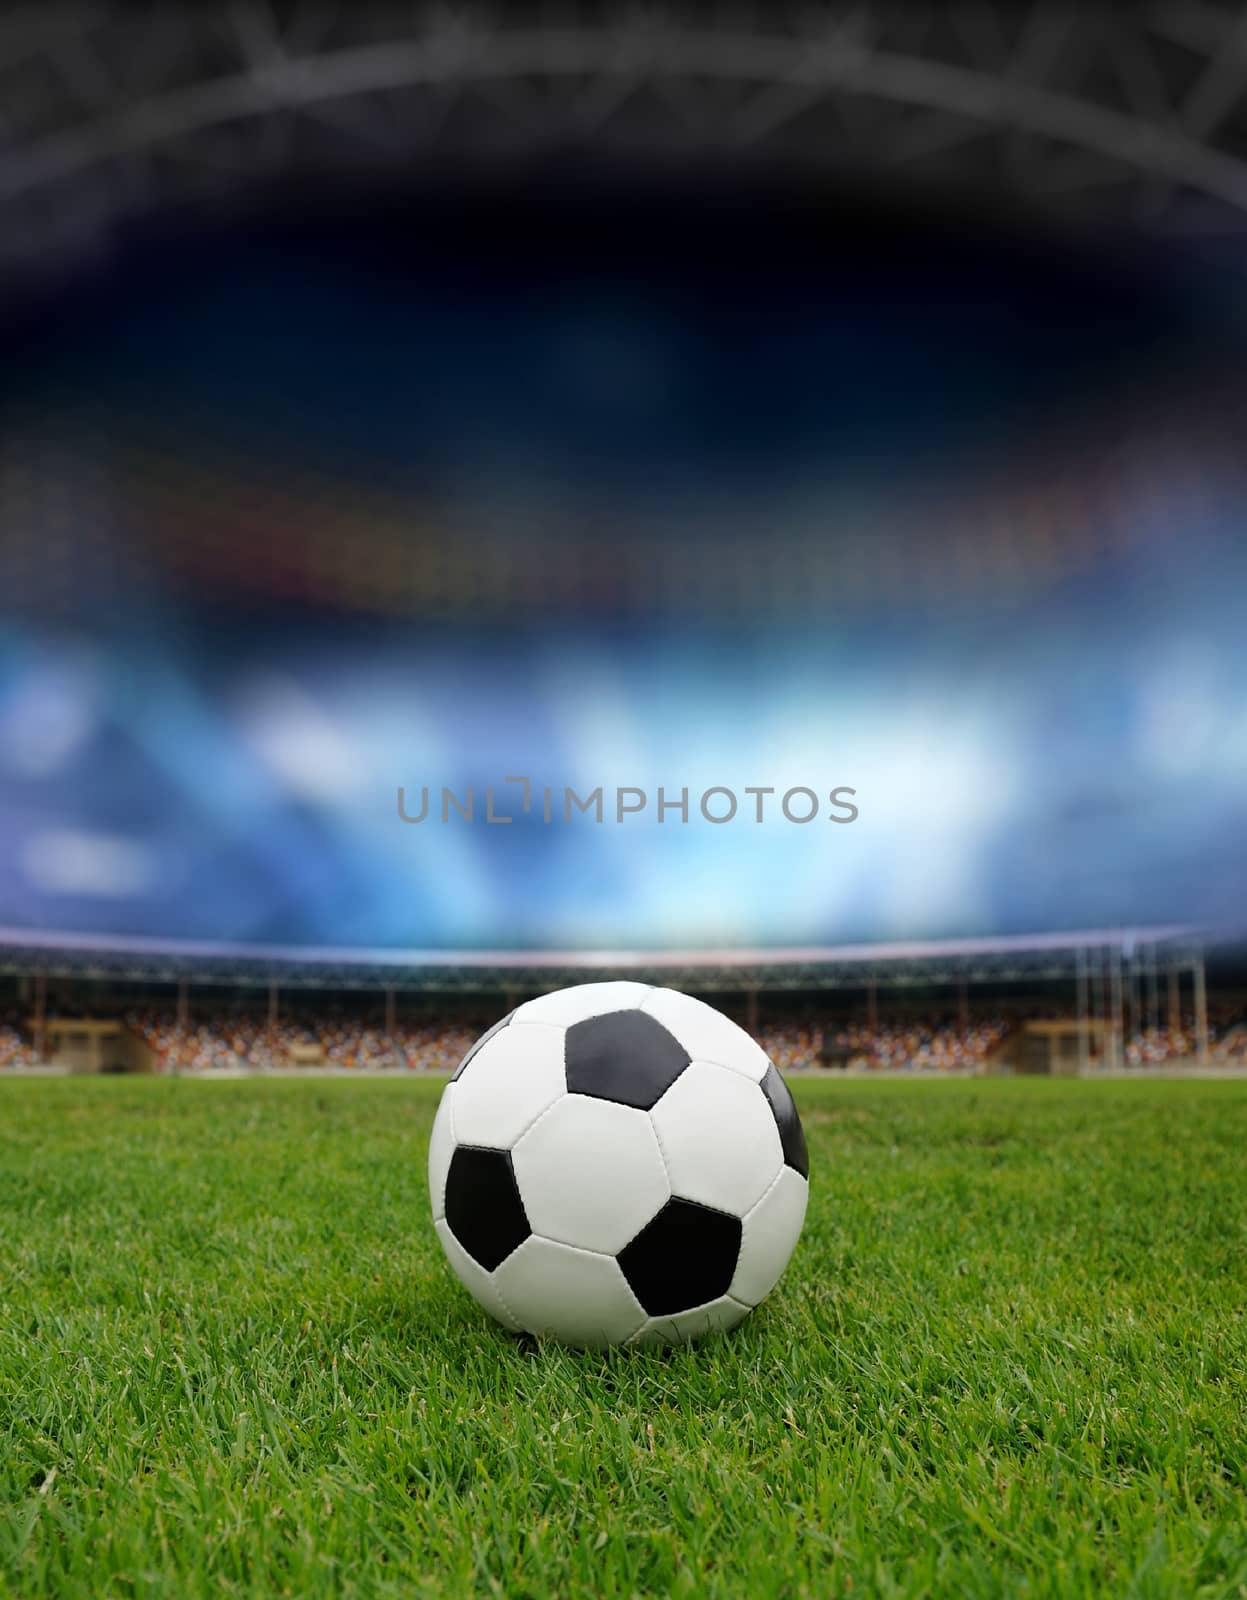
(740,1072)
(540,1117)
(580,1249)
(666,1160)
(671,1194)
(744,1220)
(744,1223)
(688,1311)
(711,1061)
(724,1066)
(497,1287)
(644,1322)
(502,1299)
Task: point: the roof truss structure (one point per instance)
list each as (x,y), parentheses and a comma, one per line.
(110,111)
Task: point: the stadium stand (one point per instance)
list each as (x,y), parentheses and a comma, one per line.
(924,1044)
(234,1041)
(222,1040)
(928,1043)
(964,1006)
(1227,1041)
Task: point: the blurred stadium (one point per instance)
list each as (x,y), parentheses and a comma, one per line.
(849,396)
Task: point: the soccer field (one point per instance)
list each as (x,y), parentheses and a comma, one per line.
(1010,1355)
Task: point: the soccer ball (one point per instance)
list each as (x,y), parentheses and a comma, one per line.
(615,1163)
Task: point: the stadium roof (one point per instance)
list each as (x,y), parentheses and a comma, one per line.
(113,111)
(1040,957)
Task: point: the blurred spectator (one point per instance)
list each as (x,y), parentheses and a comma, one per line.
(437,1047)
(1227,1040)
(16,1050)
(922,1044)
(229,1040)
(792,1046)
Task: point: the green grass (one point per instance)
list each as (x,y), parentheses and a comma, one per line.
(1010,1356)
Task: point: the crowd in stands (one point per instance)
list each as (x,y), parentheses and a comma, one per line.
(438,1047)
(225,1040)
(916,1044)
(209,1041)
(1227,1041)
(16,1050)
(792,1046)
(360,1045)
(232,1041)
(239,1040)
(943,1043)
(932,1044)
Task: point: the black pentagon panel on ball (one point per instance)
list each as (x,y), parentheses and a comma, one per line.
(624,1056)
(480,1043)
(791,1133)
(483,1206)
(685,1257)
